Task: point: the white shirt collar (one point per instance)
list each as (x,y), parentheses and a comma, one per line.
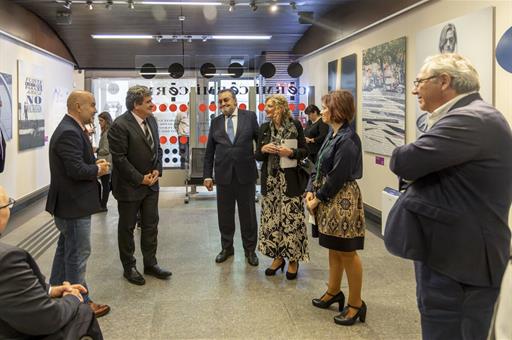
(442,110)
(139,120)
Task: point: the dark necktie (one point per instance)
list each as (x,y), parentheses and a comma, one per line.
(149,138)
(231,130)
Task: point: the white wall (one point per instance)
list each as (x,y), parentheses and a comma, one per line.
(376,177)
(28,171)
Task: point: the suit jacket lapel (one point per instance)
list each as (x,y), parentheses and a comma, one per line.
(137,128)
(240,125)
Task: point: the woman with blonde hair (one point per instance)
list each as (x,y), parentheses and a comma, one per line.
(281,145)
(333,196)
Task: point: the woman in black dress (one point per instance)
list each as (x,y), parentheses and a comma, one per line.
(334,197)
(315,132)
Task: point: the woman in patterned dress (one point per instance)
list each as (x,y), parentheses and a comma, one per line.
(283,232)
(334,197)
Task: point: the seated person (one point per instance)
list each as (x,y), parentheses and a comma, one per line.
(29,306)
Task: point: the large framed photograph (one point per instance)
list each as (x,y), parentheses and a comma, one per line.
(332,73)
(31,105)
(6,105)
(384,97)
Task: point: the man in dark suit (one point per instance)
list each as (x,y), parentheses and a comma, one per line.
(230,150)
(73,195)
(453,217)
(135,147)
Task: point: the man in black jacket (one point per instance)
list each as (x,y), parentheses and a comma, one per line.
(230,145)
(29,306)
(73,195)
(135,147)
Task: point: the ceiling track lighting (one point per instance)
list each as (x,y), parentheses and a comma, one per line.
(231,5)
(90,5)
(293,5)
(181,17)
(181,37)
(109,4)
(131,4)
(67,4)
(253,5)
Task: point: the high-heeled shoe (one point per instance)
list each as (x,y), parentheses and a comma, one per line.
(272,272)
(339,298)
(292,276)
(342,319)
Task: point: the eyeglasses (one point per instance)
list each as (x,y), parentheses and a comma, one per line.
(419,81)
(9,204)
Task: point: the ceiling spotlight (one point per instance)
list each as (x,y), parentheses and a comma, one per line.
(189,39)
(293,5)
(253,5)
(67,4)
(231,5)
(109,4)
(174,38)
(158,38)
(205,38)
(181,18)
(273,8)
(131,5)
(89,5)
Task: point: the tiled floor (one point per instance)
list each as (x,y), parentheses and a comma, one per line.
(232,300)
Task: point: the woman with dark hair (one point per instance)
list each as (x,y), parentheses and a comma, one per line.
(315,131)
(283,233)
(333,196)
(105,121)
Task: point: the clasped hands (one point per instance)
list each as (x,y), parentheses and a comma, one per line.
(282,151)
(68,289)
(103,167)
(311,202)
(150,178)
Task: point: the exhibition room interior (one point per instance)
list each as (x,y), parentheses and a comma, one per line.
(186,52)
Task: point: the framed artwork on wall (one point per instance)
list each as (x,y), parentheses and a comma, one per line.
(31,105)
(349,79)
(384,97)
(6,105)
(332,70)
(471,36)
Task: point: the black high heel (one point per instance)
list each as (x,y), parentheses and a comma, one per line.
(292,276)
(339,298)
(343,320)
(272,272)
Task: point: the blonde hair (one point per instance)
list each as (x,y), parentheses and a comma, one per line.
(281,102)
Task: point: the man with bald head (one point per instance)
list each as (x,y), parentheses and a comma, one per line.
(73,196)
(32,308)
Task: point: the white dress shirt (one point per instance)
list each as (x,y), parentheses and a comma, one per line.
(141,125)
(442,110)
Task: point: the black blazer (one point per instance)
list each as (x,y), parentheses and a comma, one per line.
(454,216)
(132,157)
(318,131)
(291,174)
(26,308)
(73,189)
(232,159)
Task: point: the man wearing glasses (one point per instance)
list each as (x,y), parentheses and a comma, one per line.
(30,307)
(452,219)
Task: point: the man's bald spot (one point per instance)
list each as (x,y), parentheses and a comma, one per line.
(4,198)
(78,97)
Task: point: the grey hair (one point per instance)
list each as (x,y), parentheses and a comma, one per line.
(463,73)
(233,94)
(136,94)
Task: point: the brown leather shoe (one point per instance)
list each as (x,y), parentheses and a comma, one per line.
(99,310)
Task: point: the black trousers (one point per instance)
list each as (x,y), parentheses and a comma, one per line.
(450,309)
(243,195)
(105,189)
(149,229)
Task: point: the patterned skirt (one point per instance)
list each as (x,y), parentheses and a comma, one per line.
(283,230)
(341,220)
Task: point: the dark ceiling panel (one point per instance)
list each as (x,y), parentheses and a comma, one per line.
(163,20)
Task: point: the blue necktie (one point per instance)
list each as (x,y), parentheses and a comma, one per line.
(231,130)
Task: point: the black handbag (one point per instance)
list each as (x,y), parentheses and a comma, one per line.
(307,166)
(304,169)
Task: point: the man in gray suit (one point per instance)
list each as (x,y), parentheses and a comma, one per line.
(135,147)
(29,306)
(453,217)
(230,150)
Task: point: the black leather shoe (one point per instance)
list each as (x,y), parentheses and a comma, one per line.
(252,258)
(224,255)
(290,275)
(339,298)
(343,320)
(157,272)
(133,276)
